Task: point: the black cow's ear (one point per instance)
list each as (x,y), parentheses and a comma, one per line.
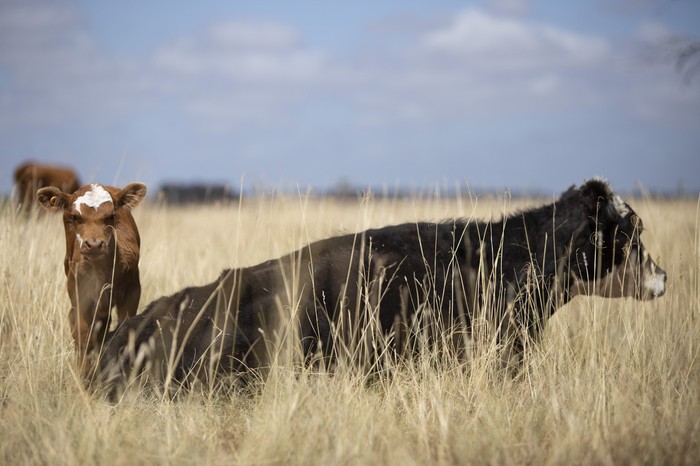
(52,199)
(596,193)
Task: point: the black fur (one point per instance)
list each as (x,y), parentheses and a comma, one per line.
(402,281)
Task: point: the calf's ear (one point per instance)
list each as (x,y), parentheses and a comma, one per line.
(52,199)
(131,195)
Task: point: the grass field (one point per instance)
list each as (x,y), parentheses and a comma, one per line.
(612,381)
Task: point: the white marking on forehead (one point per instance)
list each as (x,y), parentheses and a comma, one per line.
(94,197)
(620,206)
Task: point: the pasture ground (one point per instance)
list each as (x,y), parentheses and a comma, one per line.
(612,381)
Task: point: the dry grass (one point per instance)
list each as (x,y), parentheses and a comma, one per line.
(613,381)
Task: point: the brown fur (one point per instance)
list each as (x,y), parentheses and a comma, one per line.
(30,176)
(102,258)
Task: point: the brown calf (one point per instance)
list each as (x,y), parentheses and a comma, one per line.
(102,256)
(29,177)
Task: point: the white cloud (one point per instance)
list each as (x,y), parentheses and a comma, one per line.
(53,71)
(242,50)
(512,43)
(477,64)
(253,35)
(238,72)
(237,68)
(35,36)
(653,32)
(193,59)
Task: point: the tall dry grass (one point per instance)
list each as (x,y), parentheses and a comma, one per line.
(612,381)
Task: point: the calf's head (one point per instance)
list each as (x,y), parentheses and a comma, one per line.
(610,259)
(92,213)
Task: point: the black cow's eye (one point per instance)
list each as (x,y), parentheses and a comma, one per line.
(74,218)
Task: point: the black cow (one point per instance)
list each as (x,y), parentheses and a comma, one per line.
(386,291)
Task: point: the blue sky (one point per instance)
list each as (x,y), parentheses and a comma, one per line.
(497,93)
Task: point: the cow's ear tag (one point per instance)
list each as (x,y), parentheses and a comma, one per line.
(54,200)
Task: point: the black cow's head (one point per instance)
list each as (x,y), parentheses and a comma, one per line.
(609,259)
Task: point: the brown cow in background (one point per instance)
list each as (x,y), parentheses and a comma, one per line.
(30,176)
(102,256)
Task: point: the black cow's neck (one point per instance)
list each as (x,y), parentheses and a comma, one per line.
(534,250)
